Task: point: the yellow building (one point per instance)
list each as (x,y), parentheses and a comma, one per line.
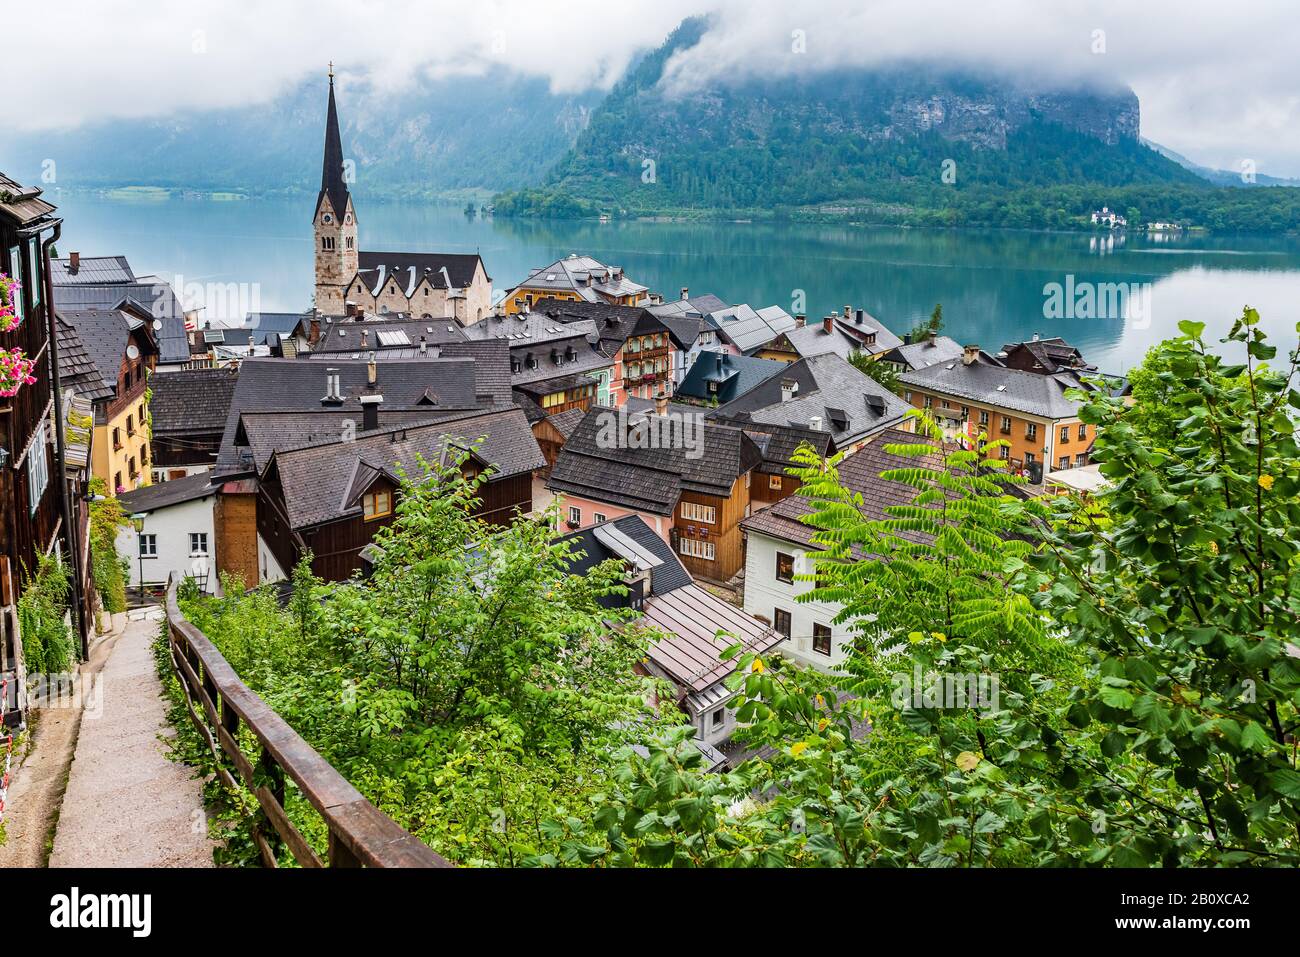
(107,355)
(576,279)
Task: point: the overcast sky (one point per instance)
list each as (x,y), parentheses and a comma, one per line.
(1217,81)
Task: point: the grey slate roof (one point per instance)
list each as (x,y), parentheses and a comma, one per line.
(431,387)
(648,478)
(409,268)
(346,335)
(613,323)
(585,276)
(850,404)
(104,282)
(164,494)
(558,349)
(859,472)
(927,352)
(105,334)
(686,317)
(844,339)
(734,376)
(193,400)
(587,551)
(320,481)
(1013,389)
(264,324)
(76,369)
(748,328)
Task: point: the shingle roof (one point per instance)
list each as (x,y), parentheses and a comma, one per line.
(558,349)
(686,317)
(346,335)
(76,368)
(264,324)
(726,377)
(749,329)
(844,339)
(614,323)
(21,204)
(918,355)
(106,333)
(1013,389)
(590,464)
(194,400)
(429,386)
(165,494)
(99,284)
(566,422)
(859,472)
(409,268)
(319,481)
(849,403)
(585,276)
(588,551)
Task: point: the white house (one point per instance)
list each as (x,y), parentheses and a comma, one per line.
(779,548)
(176,532)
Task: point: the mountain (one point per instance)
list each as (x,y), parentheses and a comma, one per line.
(448,136)
(913,143)
(1220,177)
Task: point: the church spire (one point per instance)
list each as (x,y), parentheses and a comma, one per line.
(332,182)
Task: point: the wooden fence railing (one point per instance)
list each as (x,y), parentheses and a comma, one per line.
(360,835)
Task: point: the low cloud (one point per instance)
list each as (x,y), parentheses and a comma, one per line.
(1216,83)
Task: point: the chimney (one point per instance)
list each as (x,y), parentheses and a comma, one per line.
(364,337)
(686,292)
(815,423)
(350,309)
(74,262)
(313,330)
(372,372)
(721,356)
(862,315)
(333,390)
(661,403)
(828,324)
(907,338)
(1035,339)
(848,313)
(969,355)
(788,388)
(370,412)
(424,346)
(799,320)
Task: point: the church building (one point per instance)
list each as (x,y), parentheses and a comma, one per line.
(418,285)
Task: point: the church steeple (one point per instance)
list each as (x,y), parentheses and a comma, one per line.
(332,181)
(335,223)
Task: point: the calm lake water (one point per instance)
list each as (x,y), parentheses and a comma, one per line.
(991,283)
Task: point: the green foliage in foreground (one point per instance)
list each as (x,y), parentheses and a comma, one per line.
(1032,683)
(471,688)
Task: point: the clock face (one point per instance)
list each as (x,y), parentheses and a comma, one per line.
(348,219)
(132,352)
(327,218)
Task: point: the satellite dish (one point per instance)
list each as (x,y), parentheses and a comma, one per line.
(133,352)
(157,325)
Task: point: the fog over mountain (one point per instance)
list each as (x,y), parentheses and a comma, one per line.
(1215,85)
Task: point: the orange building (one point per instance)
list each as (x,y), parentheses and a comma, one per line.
(976,395)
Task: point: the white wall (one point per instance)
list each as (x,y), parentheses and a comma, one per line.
(764,594)
(268,569)
(172,526)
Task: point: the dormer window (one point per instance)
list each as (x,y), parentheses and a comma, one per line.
(377,504)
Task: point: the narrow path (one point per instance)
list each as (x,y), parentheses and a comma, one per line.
(36,788)
(126,804)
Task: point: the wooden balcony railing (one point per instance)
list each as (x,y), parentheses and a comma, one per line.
(360,835)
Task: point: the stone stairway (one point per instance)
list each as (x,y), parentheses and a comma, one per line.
(126,804)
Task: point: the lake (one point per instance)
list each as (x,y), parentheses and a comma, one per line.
(995,286)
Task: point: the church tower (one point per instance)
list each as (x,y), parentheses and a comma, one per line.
(335,222)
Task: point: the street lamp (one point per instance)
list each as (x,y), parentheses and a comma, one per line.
(137,520)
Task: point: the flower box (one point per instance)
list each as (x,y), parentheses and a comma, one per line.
(10,289)
(15,372)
